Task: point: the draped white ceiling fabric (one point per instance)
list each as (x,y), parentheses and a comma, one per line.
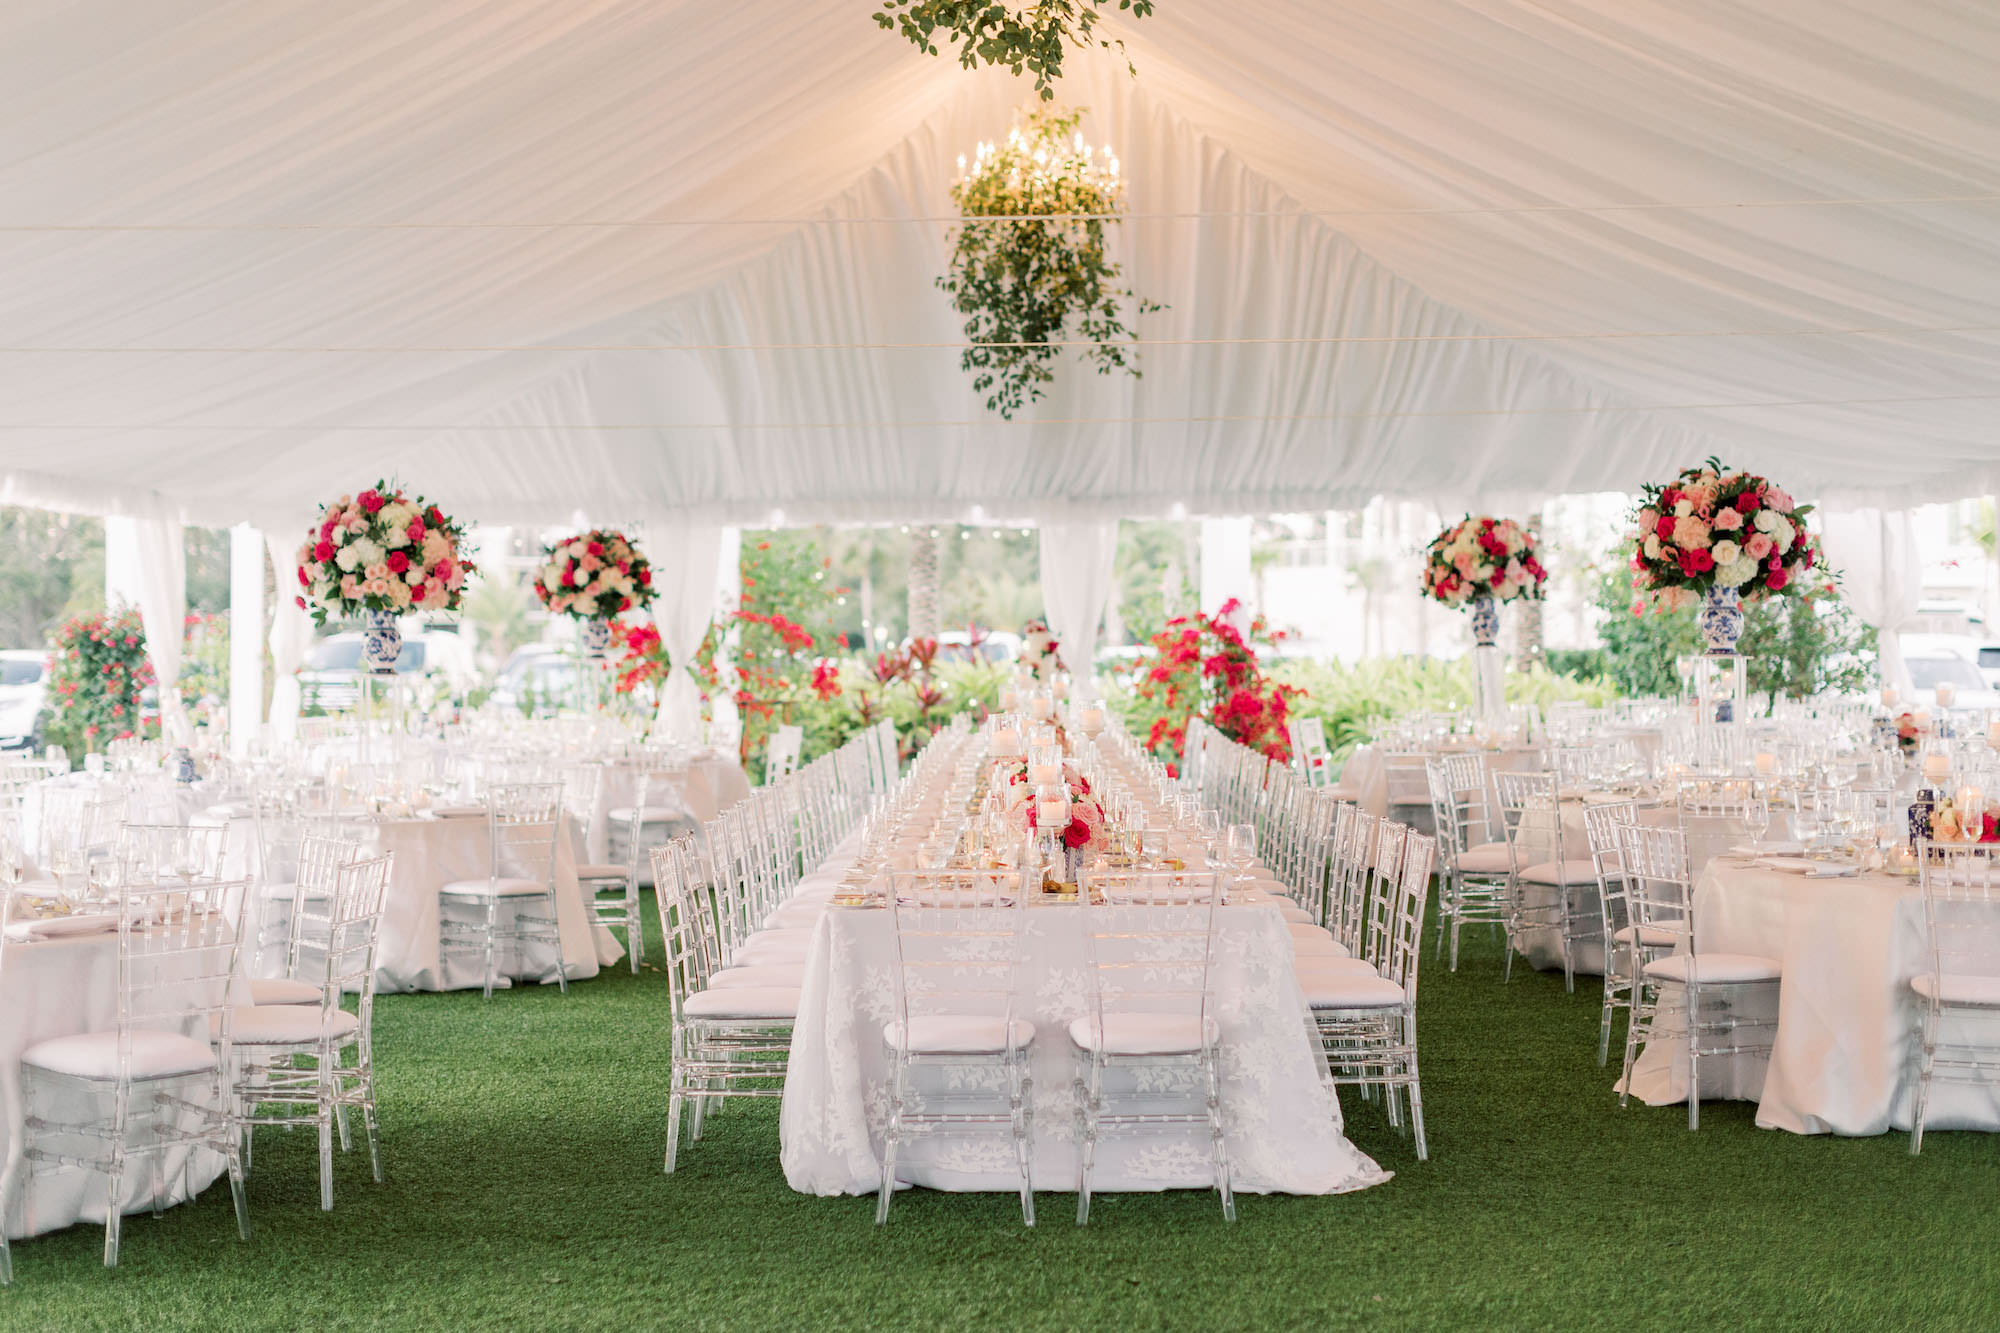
(652,259)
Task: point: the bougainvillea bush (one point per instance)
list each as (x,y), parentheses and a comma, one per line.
(1201,665)
(97,668)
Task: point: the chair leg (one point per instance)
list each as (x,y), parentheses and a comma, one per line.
(676,1101)
(1023,1114)
(114,1204)
(892,1138)
(1087,1110)
(1217,1138)
(15,1153)
(1416,1088)
(492,924)
(1926,1057)
(325,1117)
(1610,1003)
(1694,1057)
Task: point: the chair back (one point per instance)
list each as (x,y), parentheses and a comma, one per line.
(1150,941)
(337,933)
(687,923)
(523,818)
(1601,821)
(1961,883)
(958,942)
(176,958)
(1658,885)
(158,851)
(1533,816)
(781,753)
(1402,942)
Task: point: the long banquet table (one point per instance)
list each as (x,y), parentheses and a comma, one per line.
(1283,1120)
(1846,1016)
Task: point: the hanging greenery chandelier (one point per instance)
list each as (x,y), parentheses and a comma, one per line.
(1031,36)
(1031,254)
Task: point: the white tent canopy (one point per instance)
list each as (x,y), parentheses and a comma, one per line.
(653,260)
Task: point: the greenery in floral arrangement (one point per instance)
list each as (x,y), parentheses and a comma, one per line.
(1712,528)
(1020,277)
(97,668)
(1803,644)
(1033,36)
(1201,665)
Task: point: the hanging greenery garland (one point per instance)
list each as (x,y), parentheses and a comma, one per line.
(1019,277)
(1031,37)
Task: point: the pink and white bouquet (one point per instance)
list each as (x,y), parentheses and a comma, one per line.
(1038,650)
(1712,528)
(381,550)
(1086,824)
(1482,557)
(594,576)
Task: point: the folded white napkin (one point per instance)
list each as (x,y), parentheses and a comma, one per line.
(59,927)
(1799,865)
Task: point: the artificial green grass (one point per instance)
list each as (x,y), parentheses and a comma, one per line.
(523,1140)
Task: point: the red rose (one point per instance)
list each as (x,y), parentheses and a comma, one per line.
(1696,562)
(1747,502)
(370,501)
(416,592)
(593,548)
(416,530)
(433,517)
(301,602)
(645,578)
(1077,834)
(1665,527)
(398,562)
(1776,579)
(322,553)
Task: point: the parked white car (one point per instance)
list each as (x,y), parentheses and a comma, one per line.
(332,667)
(23,690)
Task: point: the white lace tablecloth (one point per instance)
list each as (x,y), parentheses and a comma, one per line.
(1846,1017)
(431,853)
(54,988)
(1284,1128)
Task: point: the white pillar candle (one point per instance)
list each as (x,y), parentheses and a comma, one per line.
(1937,766)
(1888,696)
(1945,694)
(1045,774)
(1767,763)
(1993,734)
(1093,720)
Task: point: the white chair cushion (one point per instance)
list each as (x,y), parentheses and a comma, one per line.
(654,814)
(795,916)
(288,1025)
(1144,1034)
(1652,937)
(1308,931)
(278,990)
(95,1055)
(1295,914)
(1958,988)
(763,974)
(1715,968)
(605,870)
(1561,872)
(506,886)
(1322,945)
(1488,858)
(1327,966)
(756,952)
(960,1034)
(1332,990)
(744,1002)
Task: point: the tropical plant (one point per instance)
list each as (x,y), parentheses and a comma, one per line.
(1030,255)
(97,669)
(1203,666)
(1033,36)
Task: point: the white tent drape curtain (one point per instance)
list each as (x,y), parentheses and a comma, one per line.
(146,559)
(291,631)
(1881,571)
(1076,571)
(728,596)
(684,560)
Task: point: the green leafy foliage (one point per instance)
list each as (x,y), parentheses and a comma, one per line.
(1032,37)
(97,667)
(1037,261)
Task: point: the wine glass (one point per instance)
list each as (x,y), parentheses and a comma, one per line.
(1756,821)
(1242,844)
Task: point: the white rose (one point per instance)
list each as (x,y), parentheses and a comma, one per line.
(1781,536)
(398,537)
(348,558)
(574,550)
(1652,546)
(413,575)
(367,552)
(1684,508)
(1767,521)
(1726,552)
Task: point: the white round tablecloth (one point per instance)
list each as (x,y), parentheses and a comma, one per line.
(1846,1016)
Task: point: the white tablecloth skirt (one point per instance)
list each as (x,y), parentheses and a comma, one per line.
(1284,1129)
(1843,1060)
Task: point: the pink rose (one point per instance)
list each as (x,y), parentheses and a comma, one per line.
(416,530)
(1690,532)
(1758,546)
(1729,520)
(350,587)
(369,501)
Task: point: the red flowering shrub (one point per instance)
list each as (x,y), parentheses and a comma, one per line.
(1202,666)
(96,671)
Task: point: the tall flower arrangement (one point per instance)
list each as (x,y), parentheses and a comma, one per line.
(594,576)
(1482,557)
(97,669)
(384,551)
(1039,650)
(1712,528)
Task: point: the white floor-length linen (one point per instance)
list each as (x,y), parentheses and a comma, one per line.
(1284,1126)
(1842,1062)
(684,557)
(56,988)
(291,632)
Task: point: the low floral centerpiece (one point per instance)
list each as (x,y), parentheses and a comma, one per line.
(593,577)
(1039,651)
(377,555)
(1482,562)
(1718,538)
(1081,833)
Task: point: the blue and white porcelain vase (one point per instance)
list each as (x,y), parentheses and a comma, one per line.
(1485,621)
(381,643)
(1720,621)
(596,636)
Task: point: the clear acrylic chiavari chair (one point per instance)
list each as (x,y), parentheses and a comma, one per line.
(726,1041)
(523,821)
(1548,881)
(1626,947)
(334,942)
(152,1087)
(956,984)
(1958,1019)
(1151,940)
(1475,873)
(1659,887)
